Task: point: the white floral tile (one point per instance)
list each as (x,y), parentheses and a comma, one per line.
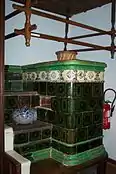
(101,76)
(64,76)
(33,76)
(42,76)
(90,76)
(69,75)
(54,75)
(25,76)
(80,75)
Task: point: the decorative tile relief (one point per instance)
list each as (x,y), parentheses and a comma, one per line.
(64,76)
(80,75)
(69,75)
(25,76)
(54,75)
(33,76)
(42,76)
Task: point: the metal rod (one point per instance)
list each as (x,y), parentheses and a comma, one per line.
(66,33)
(113,11)
(90,35)
(60,19)
(2,28)
(14,13)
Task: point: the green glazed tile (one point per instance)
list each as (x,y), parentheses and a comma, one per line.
(51,116)
(11,102)
(82,147)
(97,116)
(82,134)
(77,89)
(16,85)
(51,88)
(55,145)
(36,135)
(24,101)
(43,145)
(21,138)
(42,88)
(95,143)
(35,100)
(46,133)
(7,86)
(41,114)
(8,115)
(97,89)
(55,105)
(28,148)
(61,89)
(28,86)
(87,118)
(94,131)
(87,90)
(56,133)
(17,149)
(68,150)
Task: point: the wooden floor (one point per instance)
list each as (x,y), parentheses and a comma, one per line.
(111,169)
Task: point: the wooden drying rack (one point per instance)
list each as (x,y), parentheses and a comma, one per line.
(27,30)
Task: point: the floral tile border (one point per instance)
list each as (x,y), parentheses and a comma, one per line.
(64,76)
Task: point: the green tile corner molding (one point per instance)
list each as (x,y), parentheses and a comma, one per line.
(67,160)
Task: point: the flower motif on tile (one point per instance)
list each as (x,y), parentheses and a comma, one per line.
(68,75)
(80,75)
(33,76)
(101,76)
(90,76)
(54,75)
(42,75)
(25,76)
(97,78)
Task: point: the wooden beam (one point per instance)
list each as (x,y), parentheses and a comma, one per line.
(60,39)
(91,35)
(91,49)
(60,19)
(2,28)
(14,13)
(11,35)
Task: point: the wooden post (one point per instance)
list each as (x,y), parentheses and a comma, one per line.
(2,23)
(27,23)
(113,11)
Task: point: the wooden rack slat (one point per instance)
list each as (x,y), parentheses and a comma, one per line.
(14,13)
(60,19)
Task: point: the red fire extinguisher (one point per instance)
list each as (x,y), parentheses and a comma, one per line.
(106,115)
(108,108)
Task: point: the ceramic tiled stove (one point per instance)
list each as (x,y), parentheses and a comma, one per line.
(68,96)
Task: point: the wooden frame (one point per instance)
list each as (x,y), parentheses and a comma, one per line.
(2,23)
